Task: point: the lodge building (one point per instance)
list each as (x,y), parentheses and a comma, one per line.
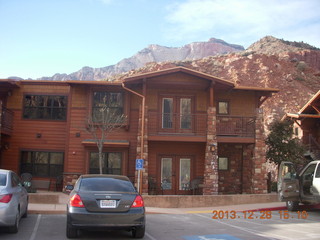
(191,129)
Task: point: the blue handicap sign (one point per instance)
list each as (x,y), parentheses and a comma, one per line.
(139,164)
(212,237)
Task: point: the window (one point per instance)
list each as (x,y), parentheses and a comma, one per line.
(223,107)
(107,106)
(111,163)
(167,112)
(45,107)
(106,184)
(223,163)
(318,171)
(177,113)
(185,113)
(42,164)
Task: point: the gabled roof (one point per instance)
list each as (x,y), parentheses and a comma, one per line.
(139,77)
(313,105)
(310,110)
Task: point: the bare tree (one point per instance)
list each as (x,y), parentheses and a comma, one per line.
(101,124)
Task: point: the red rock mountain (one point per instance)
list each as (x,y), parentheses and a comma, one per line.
(153,53)
(292,67)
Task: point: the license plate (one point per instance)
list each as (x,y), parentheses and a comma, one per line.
(108,203)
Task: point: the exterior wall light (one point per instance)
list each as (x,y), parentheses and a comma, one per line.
(213,147)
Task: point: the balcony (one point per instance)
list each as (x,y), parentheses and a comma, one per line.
(177,125)
(235,126)
(194,126)
(6,118)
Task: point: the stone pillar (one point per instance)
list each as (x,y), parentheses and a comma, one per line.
(211,177)
(259,175)
(144,172)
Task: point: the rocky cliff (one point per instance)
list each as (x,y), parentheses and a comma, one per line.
(291,67)
(153,53)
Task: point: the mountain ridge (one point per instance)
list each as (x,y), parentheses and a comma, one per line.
(152,53)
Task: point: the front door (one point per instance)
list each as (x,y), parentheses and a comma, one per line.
(175,172)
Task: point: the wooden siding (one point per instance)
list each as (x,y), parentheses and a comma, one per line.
(24,137)
(15,101)
(241,103)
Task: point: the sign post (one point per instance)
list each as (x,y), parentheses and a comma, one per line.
(139,167)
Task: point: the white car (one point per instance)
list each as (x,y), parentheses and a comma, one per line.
(13,200)
(296,188)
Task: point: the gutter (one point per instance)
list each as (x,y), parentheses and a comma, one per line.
(142,124)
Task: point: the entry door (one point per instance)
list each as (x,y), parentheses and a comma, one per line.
(175,172)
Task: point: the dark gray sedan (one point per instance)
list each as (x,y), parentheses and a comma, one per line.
(105,202)
(13,200)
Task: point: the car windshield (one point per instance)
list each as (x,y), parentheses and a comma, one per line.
(105,184)
(3,179)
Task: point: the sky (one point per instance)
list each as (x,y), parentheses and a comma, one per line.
(43,37)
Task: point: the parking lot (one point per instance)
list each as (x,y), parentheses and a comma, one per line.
(227,225)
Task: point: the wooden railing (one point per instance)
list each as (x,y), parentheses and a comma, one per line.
(6,121)
(196,124)
(235,126)
(190,124)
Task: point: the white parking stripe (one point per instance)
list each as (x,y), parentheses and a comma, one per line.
(149,236)
(255,232)
(35,229)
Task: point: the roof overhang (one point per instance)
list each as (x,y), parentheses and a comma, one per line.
(106,143)
(7,85)
(312,105)
(310,110)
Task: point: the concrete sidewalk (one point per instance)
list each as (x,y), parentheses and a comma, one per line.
(42,208)
(55,203)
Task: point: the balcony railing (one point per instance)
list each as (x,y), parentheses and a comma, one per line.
(186,124)
(235,126)
(196,124)
(6,121)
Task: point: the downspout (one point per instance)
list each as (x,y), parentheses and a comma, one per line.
(142,120)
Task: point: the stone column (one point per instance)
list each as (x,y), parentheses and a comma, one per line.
(211,177)
(144,172)
(259,175)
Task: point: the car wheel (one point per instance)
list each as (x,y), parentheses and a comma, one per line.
(71,231)
(138,232)
(26,212)
(14,228)
(292,205)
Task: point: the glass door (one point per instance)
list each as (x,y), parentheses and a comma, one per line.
(167,175)
(175,174)
(185,114)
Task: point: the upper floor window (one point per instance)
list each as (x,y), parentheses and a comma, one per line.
(107,106)
(223,107)
(48,107)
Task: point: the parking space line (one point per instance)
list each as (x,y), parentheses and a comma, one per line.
(255,232)
(35,229)
(149,236)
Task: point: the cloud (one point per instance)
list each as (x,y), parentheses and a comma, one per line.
(247,19)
